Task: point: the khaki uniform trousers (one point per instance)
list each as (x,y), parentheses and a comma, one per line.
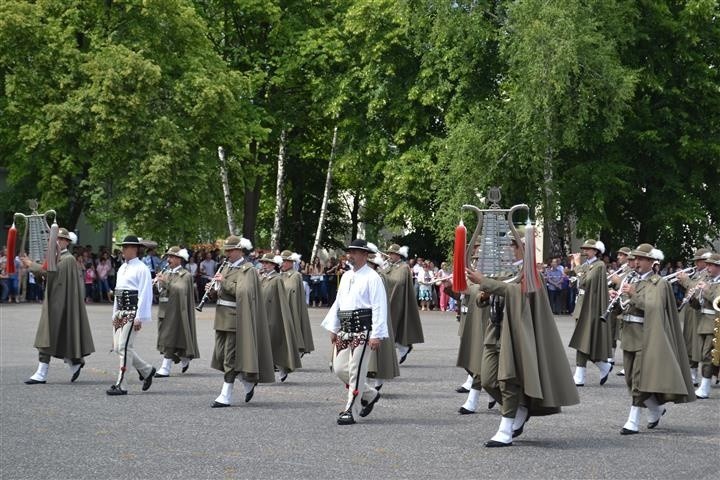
(508,393)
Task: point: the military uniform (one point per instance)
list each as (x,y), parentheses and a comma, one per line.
(473,325)
(286,356)
(524,366)
(292,279)
(404,313)
(591,337)
(242,336)
(703,302)
(690,317)
(177,332)
(654,356)
(63,330)
(383,364)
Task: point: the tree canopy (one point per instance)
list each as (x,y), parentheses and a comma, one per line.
(601,114)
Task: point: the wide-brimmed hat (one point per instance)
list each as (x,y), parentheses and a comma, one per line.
(63,233)
(402,251)
(702,254)
(131,240)
(270,258)
(358,244)
(644,250)
(596,244)
(624,251)
(233,242)
(178,252)
(714,258)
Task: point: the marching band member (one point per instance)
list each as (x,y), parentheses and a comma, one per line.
(242,336)
(357,319)
(64,330)
(614,320)
(473,325)
(627,267)
(383,363)
(591,337)
(692,316)
(708,290)
(177,333)
(132,309)
(403,311)
(286,355)
(522,326)
(298,306)
(656,370)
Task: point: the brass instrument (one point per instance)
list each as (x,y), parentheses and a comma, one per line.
(210,286)
(629,278)
(673,277)
(618,272)
(716,341)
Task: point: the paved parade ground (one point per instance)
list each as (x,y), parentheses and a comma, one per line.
(75,431)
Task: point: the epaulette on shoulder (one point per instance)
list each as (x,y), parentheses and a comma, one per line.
(655,278)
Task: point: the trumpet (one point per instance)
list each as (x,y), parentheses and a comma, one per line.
(673,277)
(618,272)
(210,286)
(618,299)
(716,303)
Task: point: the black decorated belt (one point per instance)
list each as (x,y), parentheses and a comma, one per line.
(126,303)
(355,321)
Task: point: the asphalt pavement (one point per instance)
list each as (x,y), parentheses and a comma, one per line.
(75,431)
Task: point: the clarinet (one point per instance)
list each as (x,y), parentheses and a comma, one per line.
(210,287)
(629,278)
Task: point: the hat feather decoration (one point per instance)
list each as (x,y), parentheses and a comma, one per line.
(246,244)
(404,251)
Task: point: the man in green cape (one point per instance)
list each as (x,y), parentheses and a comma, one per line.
(528,374)
(242,336)
(64,330)
(591,337)
(654,356)
(403,312)
(177,332)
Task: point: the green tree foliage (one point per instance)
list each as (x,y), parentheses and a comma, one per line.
(604,111)
(116,108)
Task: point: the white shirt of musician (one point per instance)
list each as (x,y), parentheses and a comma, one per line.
(135,275)
(360,289)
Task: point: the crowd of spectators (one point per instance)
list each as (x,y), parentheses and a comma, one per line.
(321,279)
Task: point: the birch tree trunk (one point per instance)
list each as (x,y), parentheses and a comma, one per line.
(279,194)
(226,192)
(326,196)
